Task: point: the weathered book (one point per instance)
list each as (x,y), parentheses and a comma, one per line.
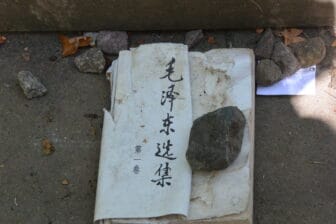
(157,90)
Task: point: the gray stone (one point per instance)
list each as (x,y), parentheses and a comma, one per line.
(265,45)
(193,37)
(111,42)
(91,61)
(215,139)
(309,52)
(285,59)
(267,72)
(31,85)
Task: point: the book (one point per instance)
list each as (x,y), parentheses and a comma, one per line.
(157,90)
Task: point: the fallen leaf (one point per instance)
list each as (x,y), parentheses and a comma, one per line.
(211,40)
(65,182)
(71,45)
(2,165)
(145,140)
(291,35)
(47,147)
(259,30)
(2,39)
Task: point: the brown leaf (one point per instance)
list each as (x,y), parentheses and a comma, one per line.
(211,40)
(71,45)
(47,147)
(259,30)
(2,39)
(65,182)
(291,35)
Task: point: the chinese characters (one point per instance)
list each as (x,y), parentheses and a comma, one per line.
(164,150)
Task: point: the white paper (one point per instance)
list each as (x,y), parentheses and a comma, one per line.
(219,78)
(129,180)
(300,83)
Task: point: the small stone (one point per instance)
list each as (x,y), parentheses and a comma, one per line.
(215,139)
(265,45)
(93,36)
(267,73)
(91,61)
(193,37)
(310,52)
(111,42)
(31,85)
(285,59)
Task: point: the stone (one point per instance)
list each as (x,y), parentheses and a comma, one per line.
(31,85)
(285,59)
(265,45)
(267,72)
(242,39)
(309,52)
(111,42)
(93,36)
(91,61)
(193,37)
(215,139)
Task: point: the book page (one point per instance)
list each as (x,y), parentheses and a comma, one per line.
(143,171)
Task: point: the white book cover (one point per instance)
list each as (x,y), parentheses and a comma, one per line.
(217,78)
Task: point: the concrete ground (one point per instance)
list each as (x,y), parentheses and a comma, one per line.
(295,158)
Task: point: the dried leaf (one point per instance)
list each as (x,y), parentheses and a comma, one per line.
(259,30)
(71,45)
(291,35)
(2,39)
(2,165)
(65,182)
(211,40)
(47,147)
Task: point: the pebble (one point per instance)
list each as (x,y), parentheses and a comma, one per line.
(111,42)
(265,45)
(285,59)
(193,37)
(31,85)
(267,73)
(216,139)
(309,52)
(91,61)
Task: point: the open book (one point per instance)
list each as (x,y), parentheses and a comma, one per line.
(157,90)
